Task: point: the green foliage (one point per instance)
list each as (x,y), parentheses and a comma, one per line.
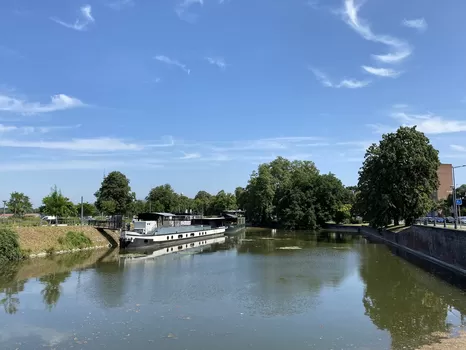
(58,205)
(88,209)
(114,195)
(19,204)
(221,202)
(202,202)
(9,246)
(75,240)
(343,214)
(163,199)
(291,194)
(447,205)
(398,178)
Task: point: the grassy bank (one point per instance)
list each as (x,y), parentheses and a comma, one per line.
(50,239)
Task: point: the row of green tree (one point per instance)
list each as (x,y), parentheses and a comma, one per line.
(294,195)
(115,197)
(397,181)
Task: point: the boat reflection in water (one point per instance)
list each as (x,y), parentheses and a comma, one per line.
(192,247)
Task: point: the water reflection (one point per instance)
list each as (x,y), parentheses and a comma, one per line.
(51,272)
(52,290)
(288,280)
(322,291)
(402,299)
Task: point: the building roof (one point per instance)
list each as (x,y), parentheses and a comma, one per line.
(164,214)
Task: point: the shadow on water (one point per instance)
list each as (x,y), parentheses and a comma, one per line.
(402,299)
(51,273)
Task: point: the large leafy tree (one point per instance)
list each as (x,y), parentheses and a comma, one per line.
(114,195)
(88,209)
(56,204)
(398,178)
(222,201)
(202,202)
(163,199)
(292,194)
(19,204)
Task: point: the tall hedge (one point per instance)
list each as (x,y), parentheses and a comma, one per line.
(9,246)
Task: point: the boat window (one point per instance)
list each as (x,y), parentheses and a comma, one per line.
(146,241)
(168,237)
(192,234)
(180,236)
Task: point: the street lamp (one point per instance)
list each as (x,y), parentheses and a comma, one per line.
(455,207)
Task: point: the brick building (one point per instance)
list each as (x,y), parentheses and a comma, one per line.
(445,176)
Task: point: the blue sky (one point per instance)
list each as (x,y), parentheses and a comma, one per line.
(197,93)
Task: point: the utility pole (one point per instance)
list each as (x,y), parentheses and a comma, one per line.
(4,205)
(455,207)
(82,211)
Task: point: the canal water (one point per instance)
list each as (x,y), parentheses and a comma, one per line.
(259,290)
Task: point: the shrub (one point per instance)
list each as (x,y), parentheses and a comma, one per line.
(9,246)
(75,240)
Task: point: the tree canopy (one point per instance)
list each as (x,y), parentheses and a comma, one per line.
(164,199)
(292,194)
(19,204)
(398,178)
(58,205)
(114,195)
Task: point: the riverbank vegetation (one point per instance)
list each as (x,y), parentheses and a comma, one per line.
(396,183)
(10,249)
(20,242)
(293,195)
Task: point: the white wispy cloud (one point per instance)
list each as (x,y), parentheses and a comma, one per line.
(314,4)
(382,72)
(191,155)
(120,4)
(346,83)
(458,148)
(7,128)
(103,144)
(182,10)
(81,23)
(399,49)
(427,123)
(172,62)
(352,84)
(430,123)
(61,165)
(57,103)
(265,144)
(26,130)
(217,61)
(380,129)
(419,23)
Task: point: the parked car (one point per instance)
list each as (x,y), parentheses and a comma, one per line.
(440,220)
(450,219)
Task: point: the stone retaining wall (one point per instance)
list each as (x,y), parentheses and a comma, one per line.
(446,245)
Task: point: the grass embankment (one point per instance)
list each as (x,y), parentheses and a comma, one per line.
(14,243)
